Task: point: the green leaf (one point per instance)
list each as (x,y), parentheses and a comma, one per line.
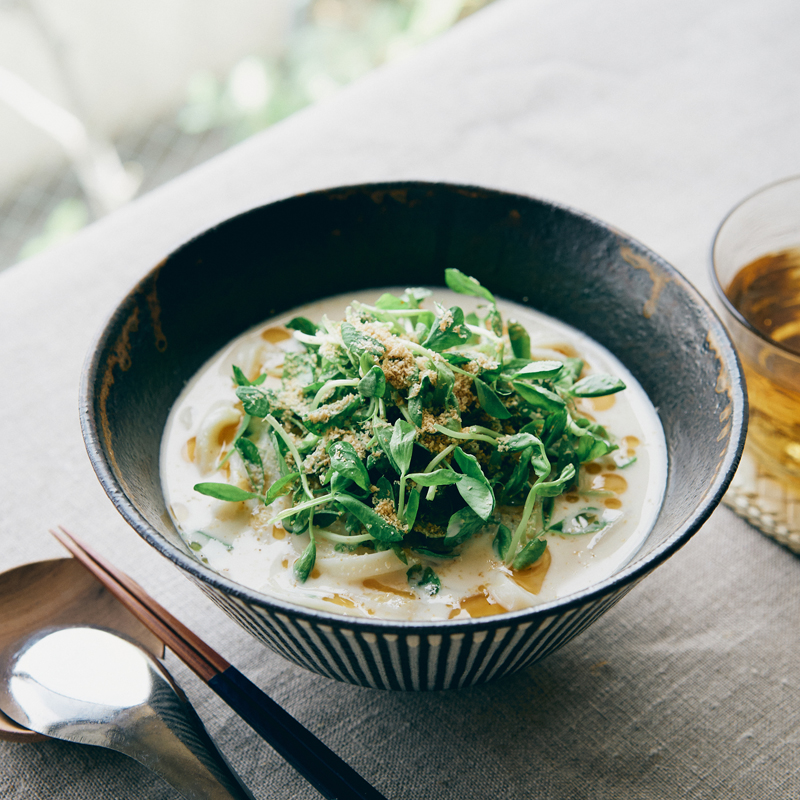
(474,487)
(422,328)
(252,462)
(324,519)
(239,378)
(423,321)
(280,452)
(501,541)
(554,426)
(300,367)
(341,483)
(591,447)
(589,520)
(250,453)
(489,401)
(412,507)
(495,321)
(421,399)
(280,487)
(390,302)
(255,401)
(597,386)
(514,365)
(538,396)
(598,430)
(477,495)
(465,284)
(548,503)
(438,477)
(456,359)
(519,476)
(358,342)
(383,433)
(529,554)
(319,421)
(243,425)
(535,426)
(517,442)
(539,460)
(345,461)
(448,330)
(556,487)
(424,578)
(624,461)
(469,465)
(520,340)
(463,524)
(397,550)
(304,564)
(385,490)
(224,491)
(373,384)
(312,388)
(365,363)
(415,408)
(443,391)
(540,370)
(570,373)
(298,523)
(375,525)
(307,443)
(402,444)
(303,325)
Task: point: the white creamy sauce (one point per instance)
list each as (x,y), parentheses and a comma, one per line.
(233,539)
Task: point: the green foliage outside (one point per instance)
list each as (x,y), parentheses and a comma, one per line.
(333,43)
(336,42)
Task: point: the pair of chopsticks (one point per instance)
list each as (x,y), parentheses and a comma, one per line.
(331,776)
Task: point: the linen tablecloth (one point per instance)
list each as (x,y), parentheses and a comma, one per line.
(654,116)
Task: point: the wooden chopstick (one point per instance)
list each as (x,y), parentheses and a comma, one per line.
(192,650)
(326,771)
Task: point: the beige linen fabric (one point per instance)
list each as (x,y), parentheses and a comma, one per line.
(655,116)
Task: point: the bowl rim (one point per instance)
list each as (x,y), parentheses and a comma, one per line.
(611,586)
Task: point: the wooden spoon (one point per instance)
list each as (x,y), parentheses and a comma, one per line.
(60,592)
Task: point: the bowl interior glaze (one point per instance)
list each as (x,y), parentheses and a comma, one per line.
(274,258)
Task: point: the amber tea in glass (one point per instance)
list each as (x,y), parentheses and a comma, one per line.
(756,261)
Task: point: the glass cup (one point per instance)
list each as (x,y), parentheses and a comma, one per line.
(756,272)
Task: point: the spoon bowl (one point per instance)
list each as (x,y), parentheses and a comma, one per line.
(88,684)
(59,592)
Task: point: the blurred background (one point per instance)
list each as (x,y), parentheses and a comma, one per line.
(104,100)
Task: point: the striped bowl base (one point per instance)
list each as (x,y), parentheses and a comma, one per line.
(413,657)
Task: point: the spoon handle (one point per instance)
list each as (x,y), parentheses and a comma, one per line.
(177,747)
(329,774)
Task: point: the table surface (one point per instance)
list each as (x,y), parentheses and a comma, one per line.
(654,116)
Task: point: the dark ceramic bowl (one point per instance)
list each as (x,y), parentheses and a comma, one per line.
(285,254)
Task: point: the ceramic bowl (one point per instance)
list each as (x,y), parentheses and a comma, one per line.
(274,258)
